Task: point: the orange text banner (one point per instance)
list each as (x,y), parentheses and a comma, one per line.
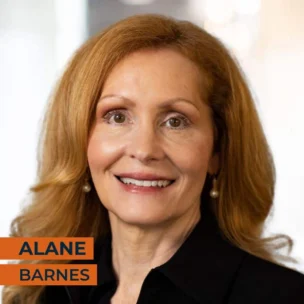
(48,274)
(46,248)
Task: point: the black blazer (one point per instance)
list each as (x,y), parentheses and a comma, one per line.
(206,269)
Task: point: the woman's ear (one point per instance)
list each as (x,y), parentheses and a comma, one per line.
(214,164)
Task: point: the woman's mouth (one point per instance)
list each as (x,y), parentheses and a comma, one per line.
(143,185)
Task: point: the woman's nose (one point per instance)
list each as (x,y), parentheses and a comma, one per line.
(145,144)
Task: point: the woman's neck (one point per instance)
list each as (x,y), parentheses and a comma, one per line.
(138,249)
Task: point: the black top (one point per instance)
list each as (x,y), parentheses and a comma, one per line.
(206,269)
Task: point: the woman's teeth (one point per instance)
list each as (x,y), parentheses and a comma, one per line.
(145,183)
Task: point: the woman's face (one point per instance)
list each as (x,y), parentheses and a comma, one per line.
(151,144)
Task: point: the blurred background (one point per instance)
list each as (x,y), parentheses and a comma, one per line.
(266,36)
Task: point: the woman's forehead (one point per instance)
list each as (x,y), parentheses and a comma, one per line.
(164,73)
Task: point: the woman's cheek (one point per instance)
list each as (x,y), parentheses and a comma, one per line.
(193,153)
(104,147)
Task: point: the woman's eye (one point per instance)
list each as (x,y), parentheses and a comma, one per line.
(116,117)
(174,122)
(178,122)
(119,118)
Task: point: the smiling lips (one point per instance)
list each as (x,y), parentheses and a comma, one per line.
(140,180)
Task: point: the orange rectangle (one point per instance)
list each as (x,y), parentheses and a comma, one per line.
(46,248)
(48,274)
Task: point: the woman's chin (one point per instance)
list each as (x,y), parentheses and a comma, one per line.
(141,219)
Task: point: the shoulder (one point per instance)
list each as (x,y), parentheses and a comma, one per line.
(274,274)
(267,282)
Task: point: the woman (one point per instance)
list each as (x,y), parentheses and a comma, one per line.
(153,146)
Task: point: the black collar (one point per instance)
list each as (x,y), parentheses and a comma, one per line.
(204,267)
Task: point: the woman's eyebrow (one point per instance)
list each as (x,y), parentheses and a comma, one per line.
(166,104)
(127,100)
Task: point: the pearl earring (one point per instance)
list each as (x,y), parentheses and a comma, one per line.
(214,193)
(86,187)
